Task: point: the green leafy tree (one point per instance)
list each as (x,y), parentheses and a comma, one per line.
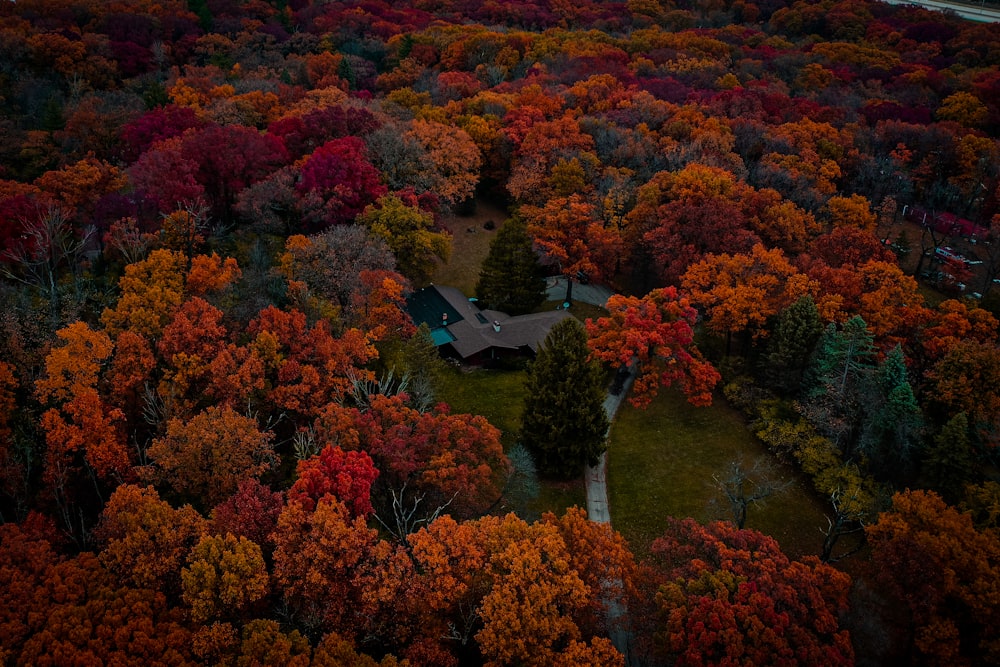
(511,277)
(564,424)
(410,234)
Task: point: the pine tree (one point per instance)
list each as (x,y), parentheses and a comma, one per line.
(564,424)
(836,381)
(511,278)
(949,462)
(795,335)
(892,424)
(841,358)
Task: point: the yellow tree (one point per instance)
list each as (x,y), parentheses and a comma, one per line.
(963,108)
(853,211)
(224,577)
(410,233)
(150,290)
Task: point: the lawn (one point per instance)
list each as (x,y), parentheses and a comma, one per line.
(661,461)
(496,395)
(470,243)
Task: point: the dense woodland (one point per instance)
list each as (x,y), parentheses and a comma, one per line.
(219,438)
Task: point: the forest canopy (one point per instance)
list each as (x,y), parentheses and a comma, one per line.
(220,439)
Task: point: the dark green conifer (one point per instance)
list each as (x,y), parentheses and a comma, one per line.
(564,424)
(949,461)
(798,329)
(510,279)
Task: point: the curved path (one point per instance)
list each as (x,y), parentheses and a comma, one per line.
(596,476)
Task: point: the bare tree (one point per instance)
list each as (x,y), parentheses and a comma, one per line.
(744,485)
(48,244)
(405,514)
(849,515)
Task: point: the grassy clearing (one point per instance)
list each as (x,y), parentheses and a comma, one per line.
(468,248)
(661,461)
(556,497)
(496,395)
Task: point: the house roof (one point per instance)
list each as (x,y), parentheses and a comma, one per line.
(470,330)
(529,331)
(429,305)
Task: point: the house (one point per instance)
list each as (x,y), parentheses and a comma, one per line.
(461,329)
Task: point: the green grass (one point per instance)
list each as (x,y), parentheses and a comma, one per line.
(661,462)
(498,396)
(557,497)
(494,394)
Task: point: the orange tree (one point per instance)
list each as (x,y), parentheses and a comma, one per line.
(946,573)
(656,330)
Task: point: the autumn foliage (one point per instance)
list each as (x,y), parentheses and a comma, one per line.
(656,331)
(220,436)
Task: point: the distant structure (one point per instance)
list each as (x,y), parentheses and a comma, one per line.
(948,224)
(461,329)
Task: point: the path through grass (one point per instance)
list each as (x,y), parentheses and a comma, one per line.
(661,461)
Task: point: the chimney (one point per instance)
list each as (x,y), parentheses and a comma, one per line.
(496,325)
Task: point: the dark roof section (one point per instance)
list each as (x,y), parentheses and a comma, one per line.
(510,333)
(428,305)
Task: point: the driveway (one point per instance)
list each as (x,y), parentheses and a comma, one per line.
(555,290)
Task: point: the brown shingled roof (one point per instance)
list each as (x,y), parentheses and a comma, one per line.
(476,331)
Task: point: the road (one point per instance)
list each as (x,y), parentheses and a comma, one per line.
(982,13)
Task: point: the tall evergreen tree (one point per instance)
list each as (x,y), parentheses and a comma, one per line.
(949,461)
(511,277)
(892,424)
(795,335)
(836,382)
(564,424)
